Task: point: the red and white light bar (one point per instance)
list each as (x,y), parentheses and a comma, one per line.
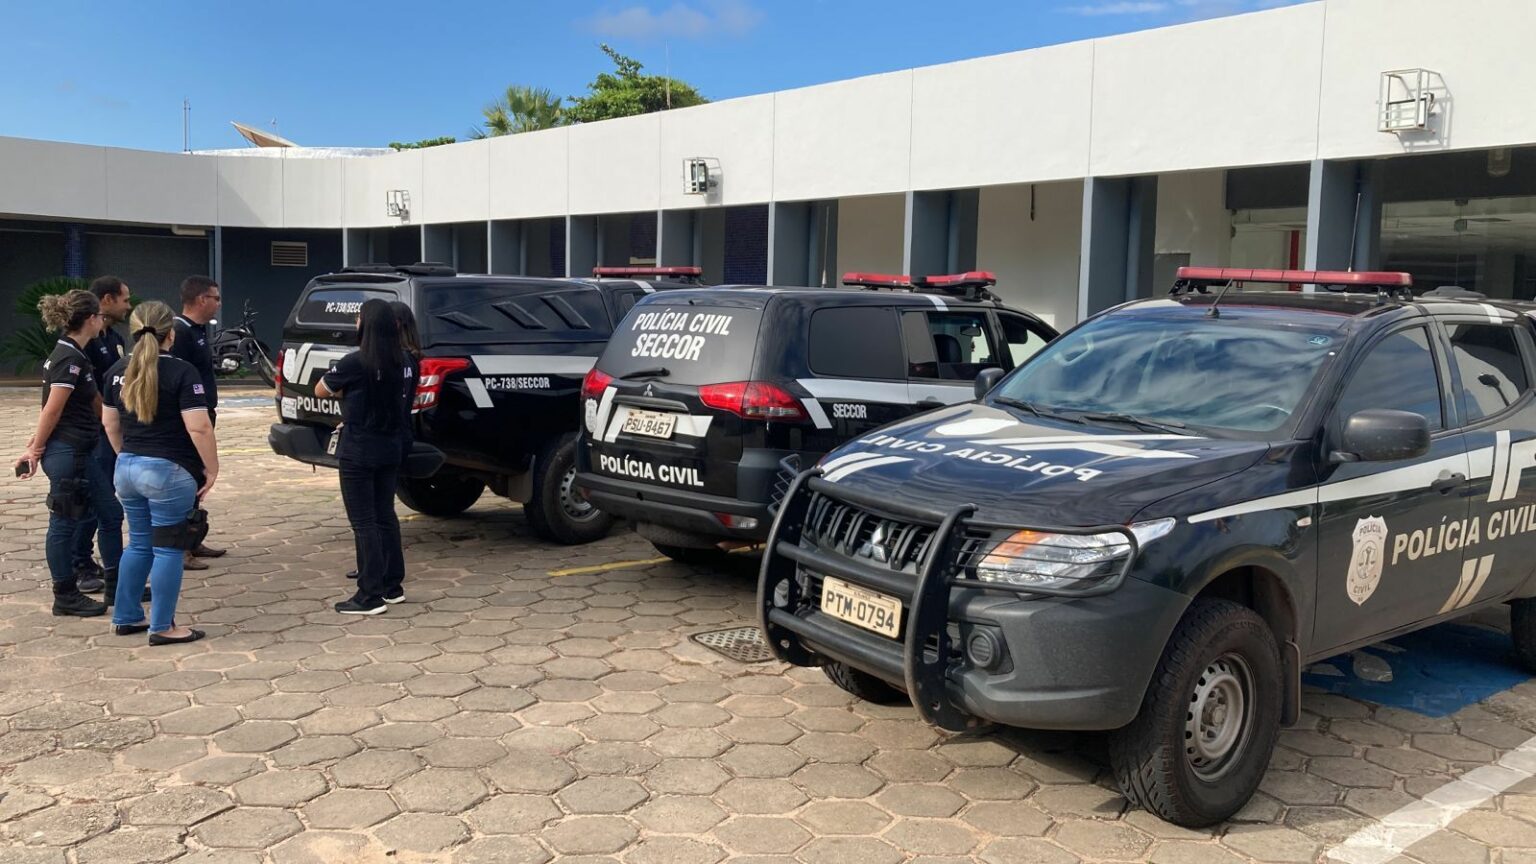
(968,279)
(635,272)
(1366,278)
(877,280)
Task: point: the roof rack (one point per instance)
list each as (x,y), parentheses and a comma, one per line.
(689,274)
(420,268)
(971,285)
(1381,282)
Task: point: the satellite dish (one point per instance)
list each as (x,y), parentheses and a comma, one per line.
(260,138)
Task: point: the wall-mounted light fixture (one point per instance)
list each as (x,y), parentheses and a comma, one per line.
(701,175)
(397,204)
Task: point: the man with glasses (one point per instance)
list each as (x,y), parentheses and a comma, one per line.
(200,299)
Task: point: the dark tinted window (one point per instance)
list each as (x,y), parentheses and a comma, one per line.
(1023,340)
(336,308)
(1398,373)
(962,346)
(498,314)
(856,342)
(1492,372)
(695,344)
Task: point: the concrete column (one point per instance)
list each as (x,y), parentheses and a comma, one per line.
(437,243)
(789,243)
(356,246)
(1119,230)
(676,240)
(504,247)
(1368,225)
(583,249)
(1344,215)
(940,232)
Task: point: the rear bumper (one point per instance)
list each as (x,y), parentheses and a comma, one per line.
(1076,663)
(307,444)
(689,512)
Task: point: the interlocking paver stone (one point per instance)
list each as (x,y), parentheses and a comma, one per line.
(602,795)
(422,832)
(763,835)
(65,824)
(375,768)
(513,814)
(350,809)
(590,835)
(280,788)
(151,846)
(248,828)
(440,790)
(180,806)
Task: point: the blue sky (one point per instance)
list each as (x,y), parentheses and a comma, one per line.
(364,74)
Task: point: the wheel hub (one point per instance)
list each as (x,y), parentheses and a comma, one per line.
(1217,725)
(575,504)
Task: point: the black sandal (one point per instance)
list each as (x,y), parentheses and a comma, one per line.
(157,639)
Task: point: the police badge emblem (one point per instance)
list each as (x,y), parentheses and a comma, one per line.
(1365,564)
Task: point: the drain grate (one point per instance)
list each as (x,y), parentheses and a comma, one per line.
(742,644)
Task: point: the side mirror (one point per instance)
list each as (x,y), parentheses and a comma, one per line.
(987,380)
(1381,435)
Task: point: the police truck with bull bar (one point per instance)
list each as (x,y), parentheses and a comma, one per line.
(1158,521)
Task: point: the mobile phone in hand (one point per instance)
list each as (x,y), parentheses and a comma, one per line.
(23,468)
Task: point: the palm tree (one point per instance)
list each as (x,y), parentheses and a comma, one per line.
(522,109)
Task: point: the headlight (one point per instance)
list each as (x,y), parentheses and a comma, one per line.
(1038,559)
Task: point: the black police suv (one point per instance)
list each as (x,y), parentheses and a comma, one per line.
(496,405)
(701,395)
(1159,520)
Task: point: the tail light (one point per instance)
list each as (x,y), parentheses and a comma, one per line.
(277,371)
(754,400)
(594,384)
(434,371)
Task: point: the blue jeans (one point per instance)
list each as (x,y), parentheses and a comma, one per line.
(89,528)
(59,463)
(154,492)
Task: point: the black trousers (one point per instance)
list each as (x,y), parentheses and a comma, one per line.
(368,493)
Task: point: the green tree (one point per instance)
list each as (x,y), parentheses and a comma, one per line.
(522,109)
(31,343)
(425,142)
(626,91)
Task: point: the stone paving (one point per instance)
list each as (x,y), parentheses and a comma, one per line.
(515,711)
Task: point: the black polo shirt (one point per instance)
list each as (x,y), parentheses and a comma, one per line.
(104,351)
(68,367)
(192,346)
(366,436)
(166,436)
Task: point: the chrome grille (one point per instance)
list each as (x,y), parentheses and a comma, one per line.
(844,529)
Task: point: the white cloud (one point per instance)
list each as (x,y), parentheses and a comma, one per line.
(1124,7)
(681,20)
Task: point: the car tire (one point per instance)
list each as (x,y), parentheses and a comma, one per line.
(1522,631)
(692,555)
(862,684)
(1221,655)
(444,494)
(558,512)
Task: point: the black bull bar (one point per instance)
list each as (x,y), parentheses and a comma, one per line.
(922,658)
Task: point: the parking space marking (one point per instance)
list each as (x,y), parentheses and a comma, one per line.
(611,565)
(1391,837)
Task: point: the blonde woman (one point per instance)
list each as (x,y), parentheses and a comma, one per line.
(67,431)
(156,413)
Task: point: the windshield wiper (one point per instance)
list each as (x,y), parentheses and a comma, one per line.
(1173,426)
(653,372)
(1033,409)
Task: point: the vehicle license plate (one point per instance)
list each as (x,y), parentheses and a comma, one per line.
(651,424)
(330,444)
(860,607)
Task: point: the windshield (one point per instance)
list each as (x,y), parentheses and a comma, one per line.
(1242,378)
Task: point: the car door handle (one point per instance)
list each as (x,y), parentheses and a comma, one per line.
(1446,484)
(929,402)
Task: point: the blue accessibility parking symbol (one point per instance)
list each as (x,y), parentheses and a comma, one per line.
(1435,672)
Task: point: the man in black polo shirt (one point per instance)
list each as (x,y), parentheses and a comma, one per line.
(103,351)
(200,299)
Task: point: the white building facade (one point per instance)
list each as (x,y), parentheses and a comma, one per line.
(1081,174)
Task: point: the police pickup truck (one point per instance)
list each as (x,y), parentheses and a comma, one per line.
(496,404)
(1159,520)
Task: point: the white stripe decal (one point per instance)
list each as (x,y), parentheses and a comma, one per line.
(867,463)
(938,302)
(847,459)
(529,364)
(1065,439)
(949,394)
(818,416)
(852,388)
(604,414)
(1474,572)
(478,392)
(1418,476)
(1500,466)
(1388,839)
(1103,448)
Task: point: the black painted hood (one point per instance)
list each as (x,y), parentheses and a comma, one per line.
(1032,472)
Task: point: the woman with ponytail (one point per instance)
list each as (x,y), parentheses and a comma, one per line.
(67,431)
(156,413)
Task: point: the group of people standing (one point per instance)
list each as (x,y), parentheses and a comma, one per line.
(127,429)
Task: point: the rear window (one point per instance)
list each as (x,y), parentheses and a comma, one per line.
(694,344)
(856,342)
(336,308)
(501,314)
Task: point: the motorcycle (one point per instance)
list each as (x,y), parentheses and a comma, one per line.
(236,347)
